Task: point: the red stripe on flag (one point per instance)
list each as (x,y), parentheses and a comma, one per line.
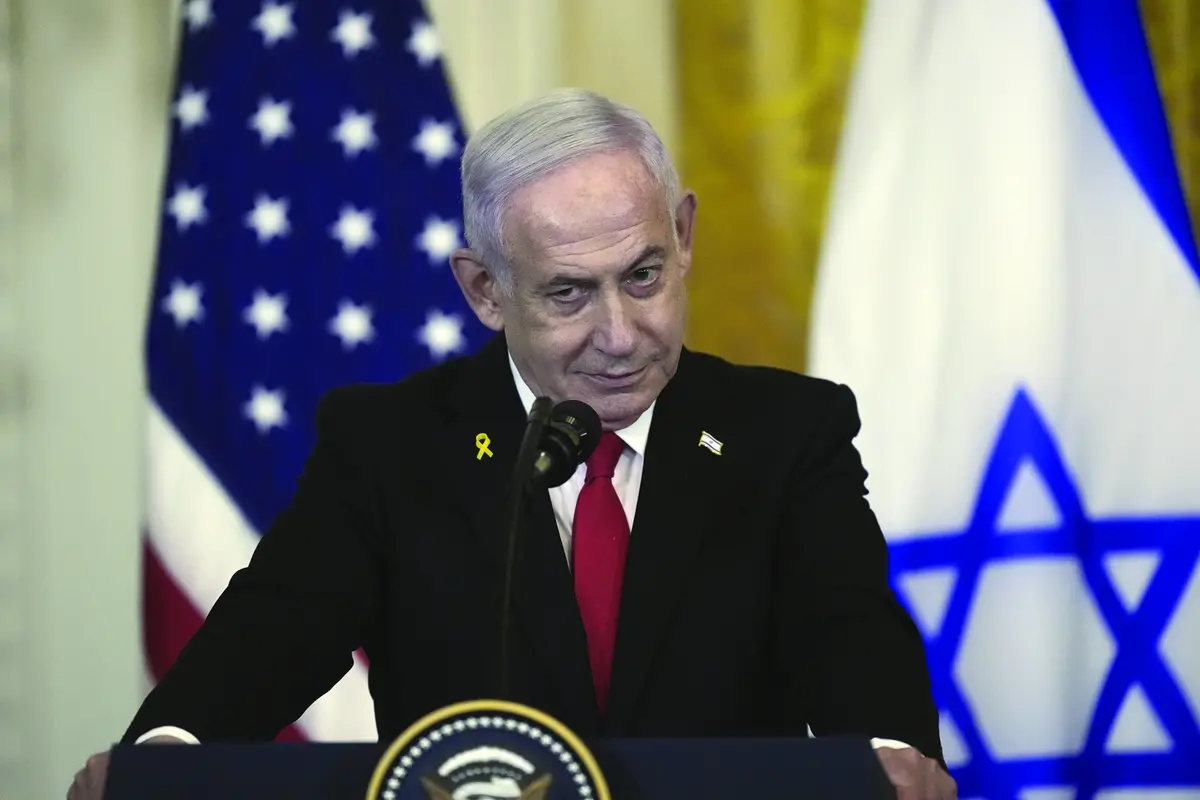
(169,620)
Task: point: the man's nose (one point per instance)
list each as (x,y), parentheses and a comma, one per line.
(616,330)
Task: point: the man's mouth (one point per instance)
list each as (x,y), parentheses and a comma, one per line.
(616,379)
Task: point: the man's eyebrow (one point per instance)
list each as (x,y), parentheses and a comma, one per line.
(562,281)
(651,252)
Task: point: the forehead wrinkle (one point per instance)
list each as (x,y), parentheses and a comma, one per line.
(575,219)
(591,245)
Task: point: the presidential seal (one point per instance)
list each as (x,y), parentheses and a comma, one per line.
(487,750)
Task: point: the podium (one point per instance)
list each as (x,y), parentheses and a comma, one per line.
(635,769)
(492,749)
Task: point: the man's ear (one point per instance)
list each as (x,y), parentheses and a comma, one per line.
(685,224)
(479,287)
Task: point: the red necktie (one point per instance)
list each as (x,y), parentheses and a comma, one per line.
(599,541)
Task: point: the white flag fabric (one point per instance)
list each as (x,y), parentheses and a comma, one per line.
(1010,286)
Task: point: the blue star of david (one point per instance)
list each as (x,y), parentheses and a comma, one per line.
(1136,633)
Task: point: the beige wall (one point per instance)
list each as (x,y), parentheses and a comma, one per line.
(91,81)
(91,84)
(503,53)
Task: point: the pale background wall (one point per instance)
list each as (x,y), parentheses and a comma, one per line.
(90,83)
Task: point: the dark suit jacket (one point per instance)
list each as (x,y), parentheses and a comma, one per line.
(756,595)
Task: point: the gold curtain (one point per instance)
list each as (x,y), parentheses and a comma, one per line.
(1173,31)
(761,90)
(761,93)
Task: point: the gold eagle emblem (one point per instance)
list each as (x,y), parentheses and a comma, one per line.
(536,790)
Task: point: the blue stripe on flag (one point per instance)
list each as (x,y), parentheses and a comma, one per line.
(1108,46)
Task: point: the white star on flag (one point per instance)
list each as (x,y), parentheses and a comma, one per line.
(183,303)
(354,229)
(268,218)
(272,120)
(187,206)
(355,132)
(424,43)
(265,409)
(435,141)
(198,14)
(442,334)
(267,313)
(353,33)
(352,324)
(274,22)
(191,109)
(439,239)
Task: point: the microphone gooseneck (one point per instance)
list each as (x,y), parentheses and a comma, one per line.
(557,439)
(535,423)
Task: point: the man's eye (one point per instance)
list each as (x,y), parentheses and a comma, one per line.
(644,275)
(566,294)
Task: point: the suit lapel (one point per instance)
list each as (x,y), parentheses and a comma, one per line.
(485,401)
(681,485)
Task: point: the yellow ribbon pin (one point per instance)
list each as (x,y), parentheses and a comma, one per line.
(482,441)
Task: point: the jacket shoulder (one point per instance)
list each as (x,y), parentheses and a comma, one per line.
(775,389)
(365,405)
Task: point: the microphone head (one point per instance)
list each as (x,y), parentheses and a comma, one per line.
(583,422)
(570,437)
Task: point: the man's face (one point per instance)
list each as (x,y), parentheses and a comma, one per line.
(599,305)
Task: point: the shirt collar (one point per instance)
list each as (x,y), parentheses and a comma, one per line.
(635,435)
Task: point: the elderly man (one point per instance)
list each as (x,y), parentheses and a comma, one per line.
(723,512)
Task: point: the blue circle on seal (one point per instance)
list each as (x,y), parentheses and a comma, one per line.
(487,750)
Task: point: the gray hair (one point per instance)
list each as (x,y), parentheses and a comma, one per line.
(532,140)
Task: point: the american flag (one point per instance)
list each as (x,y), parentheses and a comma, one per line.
(311,202)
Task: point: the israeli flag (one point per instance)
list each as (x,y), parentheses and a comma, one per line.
(1010,285)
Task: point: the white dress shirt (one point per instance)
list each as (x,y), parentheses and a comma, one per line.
(627,477)
(627,480)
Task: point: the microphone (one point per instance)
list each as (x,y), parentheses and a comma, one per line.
(557,439)
(568,439)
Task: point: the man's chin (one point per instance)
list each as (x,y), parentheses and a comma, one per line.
(621,411)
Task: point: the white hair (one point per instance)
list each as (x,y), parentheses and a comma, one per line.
(532,140)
